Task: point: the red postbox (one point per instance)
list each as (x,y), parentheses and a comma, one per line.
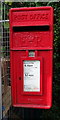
(31,56)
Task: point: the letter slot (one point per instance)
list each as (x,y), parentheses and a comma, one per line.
(31,28)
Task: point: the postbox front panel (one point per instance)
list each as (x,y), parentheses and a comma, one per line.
(31,51)
(32,39)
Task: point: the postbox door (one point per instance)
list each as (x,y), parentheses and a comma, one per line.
(27,95)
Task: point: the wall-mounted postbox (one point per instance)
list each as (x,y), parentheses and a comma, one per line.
(31,53)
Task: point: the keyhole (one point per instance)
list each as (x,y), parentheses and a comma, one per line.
(19,78)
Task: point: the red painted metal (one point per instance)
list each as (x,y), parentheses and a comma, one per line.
(31,29)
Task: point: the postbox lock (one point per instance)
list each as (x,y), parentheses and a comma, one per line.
(19,78)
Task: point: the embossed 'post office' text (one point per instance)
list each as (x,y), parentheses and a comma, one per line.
(31,17)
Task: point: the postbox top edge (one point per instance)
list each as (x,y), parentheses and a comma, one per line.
(31,8)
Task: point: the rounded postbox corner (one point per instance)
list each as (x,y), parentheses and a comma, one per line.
(49,107)
(14,105)
(11,9)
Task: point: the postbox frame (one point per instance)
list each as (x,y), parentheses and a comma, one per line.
(45,97)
